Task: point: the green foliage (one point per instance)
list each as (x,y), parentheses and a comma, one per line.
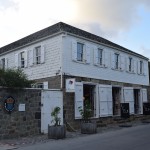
(54,114)
(14,78)
(86,112)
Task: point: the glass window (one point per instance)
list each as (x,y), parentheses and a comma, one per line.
(141,67)
(116,61)
(100,56)
(38,55)
(130,64)
(22,59)
(80,51)
(3,63)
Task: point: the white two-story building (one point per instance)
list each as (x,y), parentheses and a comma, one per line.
(103,72)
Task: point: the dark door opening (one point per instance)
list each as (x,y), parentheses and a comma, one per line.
(116,96)
(136,101)
(89,96)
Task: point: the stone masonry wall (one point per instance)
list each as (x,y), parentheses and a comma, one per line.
(20,123)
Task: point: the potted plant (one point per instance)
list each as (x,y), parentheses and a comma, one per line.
(56,131)
(87,126)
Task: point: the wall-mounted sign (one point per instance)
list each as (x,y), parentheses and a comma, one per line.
(9,104)
(70,85)
(21,107)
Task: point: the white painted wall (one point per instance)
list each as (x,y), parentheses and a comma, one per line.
(71,67)
(52,58)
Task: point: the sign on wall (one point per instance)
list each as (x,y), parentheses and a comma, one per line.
(9,104)
(146,108)
(125,111)
(70,85)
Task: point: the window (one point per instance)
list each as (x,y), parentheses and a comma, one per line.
(41,85)
(130,64)
(22,59)
(38,55)
(141,67)
(100,56)
(116,61)
(3,63)
(80,47)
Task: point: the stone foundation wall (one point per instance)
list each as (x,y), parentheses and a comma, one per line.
(20,123)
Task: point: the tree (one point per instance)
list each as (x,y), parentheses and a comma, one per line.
(14,78)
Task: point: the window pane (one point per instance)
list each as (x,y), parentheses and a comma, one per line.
(116,61)
(80,51)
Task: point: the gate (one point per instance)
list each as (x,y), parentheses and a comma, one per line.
(49,100)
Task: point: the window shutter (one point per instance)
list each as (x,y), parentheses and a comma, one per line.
(6,63)
(30,56)
(74,50)
(45,85)
(16,60)
(25,59)
(112,60)
(145,68)
(129,98)
(78,99)
(138,67)
(88,54)
(105,100)
(1,64)
(127,63)
(42,54)
(144,95)
(122,63)
(95,56)
(105,58)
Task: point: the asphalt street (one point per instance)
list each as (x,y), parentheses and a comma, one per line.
(133,138)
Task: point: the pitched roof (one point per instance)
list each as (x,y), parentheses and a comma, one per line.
(61,27)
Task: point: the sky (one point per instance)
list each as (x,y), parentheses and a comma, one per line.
(124,22)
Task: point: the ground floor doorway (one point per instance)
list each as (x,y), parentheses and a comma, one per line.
(116,96)
(136,101)
(89,97)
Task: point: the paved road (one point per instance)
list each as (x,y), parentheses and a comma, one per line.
(133,138)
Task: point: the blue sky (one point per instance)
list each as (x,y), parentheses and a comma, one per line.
(125,22)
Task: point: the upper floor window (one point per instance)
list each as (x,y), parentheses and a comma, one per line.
(80,51)
(130,64)
(141,67)
(22,59)
(3,63)
(116,61)
(37,55)
(100,56)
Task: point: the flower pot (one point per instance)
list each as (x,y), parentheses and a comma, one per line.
(88,127)
(56,132)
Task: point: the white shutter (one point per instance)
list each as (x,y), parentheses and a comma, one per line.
(144,95)
(145,68)
(127,63)
(42,54)
(88,54)
(16,60)
(25,59)
(45,85)
(105,100)
(6,63)
(1,65)
(30,56)
(113,60)
(129,98)
(74,50)
(138,67)
(122,63)
(78,99)
(95,56)
(105,58)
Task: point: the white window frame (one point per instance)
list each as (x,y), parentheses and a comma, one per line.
(117,60)
(37,55)
(100,56)
(22,59)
